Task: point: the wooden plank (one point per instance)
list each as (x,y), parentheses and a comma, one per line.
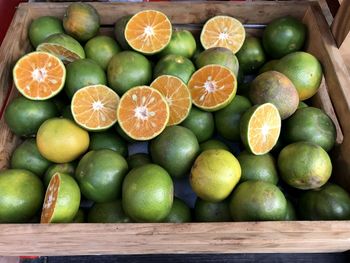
(341,24)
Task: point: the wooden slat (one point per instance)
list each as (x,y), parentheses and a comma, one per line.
(341,24)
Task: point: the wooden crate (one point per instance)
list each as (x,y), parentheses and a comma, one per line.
(231,237)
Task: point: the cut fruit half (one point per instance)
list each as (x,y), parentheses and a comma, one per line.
(148,31)
(260,128)
(39,75)
(177,95)
(62,200)
(143,113)
(212,87)
(95,107)
(223,31)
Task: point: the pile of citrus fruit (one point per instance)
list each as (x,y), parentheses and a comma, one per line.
(146,126)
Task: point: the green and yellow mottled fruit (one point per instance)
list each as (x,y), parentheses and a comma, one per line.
(109,212)
(43,27)
(182,43)
(251,56)
(205,211)
(65,168)
(213,144)
(179,213)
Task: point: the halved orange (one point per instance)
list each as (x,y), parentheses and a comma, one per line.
(39,75)
(212,87)
(260,128)
(143,113)
(148,31)
(177,95)
(223,31)
(95,107)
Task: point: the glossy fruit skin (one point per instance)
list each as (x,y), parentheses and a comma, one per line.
(330,202)
(179,213)
(24,116)
(251,56)
(43,27)
(100,175)
(128,69)
(108,140)
(181,43)
(258,201)
(205,211)
(148,193)
(304,165)
(290,213)
(213,144)
(119,30)
(22,194)
(284,36)
(268,66)
(109,212)
(138,159)
(175,149)
(312,125)
(65,168)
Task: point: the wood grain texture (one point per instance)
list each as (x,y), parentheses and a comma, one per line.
(341,24)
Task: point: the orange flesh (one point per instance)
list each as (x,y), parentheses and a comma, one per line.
(95,107)
(62,53)
(176,94)
(148,31)
(143,113)
(39,75)
(212,85)
(50,199)
(264,129)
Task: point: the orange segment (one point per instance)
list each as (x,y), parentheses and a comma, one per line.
(39,75)
(50,200)
(148,31)
(223,31)
(212,87)
(143,113)
(95,107)
(59,51)
(176,94)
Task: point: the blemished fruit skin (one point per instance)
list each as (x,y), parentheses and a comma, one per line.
(283,36)
(251,56)
(175,149)
(218,55)
(290,213)
(100,175)
(312,125)
(128,69)
(27,157)
(81,21)
(330,202)
(214,175)
(268,66)
(304,165)
(174,65)
(43,27)
(258,167)
(258,201)
(205,211)
(181,43)
(65,168)
(276,88)
(81,73)
(108,140)
(138,159)
(119,30)
(22,194)
(109,212)
(24,116)
(227,120)
(213,144)
(179,213)
(148,193)
(201,123)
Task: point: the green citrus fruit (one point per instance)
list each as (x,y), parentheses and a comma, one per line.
(212,145)
(174,65)
(258,201)
(214,174)
(81,21)
(123,134)
(128,69)
(283,36)
(109,212)
(27,157)
(218,55)
(205,211)
(201,123)
(24,116)
(268,66)
(227,120)
(148,193)
(179,213)
(302,104)
(61,140)
(304,70)
(119,30)
(22,195)
(290,214)
(330,202)
(138,159)
(79,217)
(81,73)
(276,88)
(181,43)
(43,27)
(251,56)
(108,140)
(304,165)
(175,150)
(101,49)
(312,125)
(65,168)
